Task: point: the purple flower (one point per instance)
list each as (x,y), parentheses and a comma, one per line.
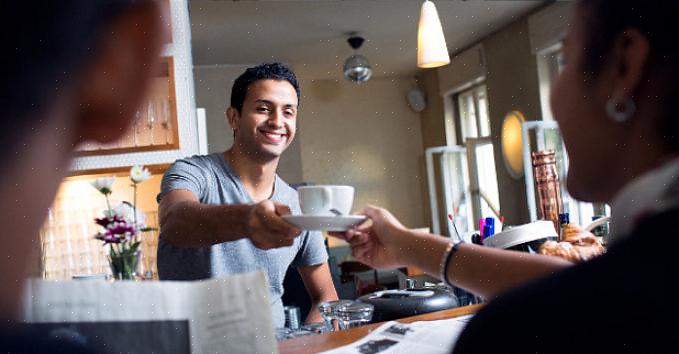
(116,229)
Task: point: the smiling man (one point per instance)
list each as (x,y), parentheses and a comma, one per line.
(220,214)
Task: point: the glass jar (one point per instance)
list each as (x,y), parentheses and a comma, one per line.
(124,265)
(355,314)
(327,310)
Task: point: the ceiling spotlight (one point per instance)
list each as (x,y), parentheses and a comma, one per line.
(357,67)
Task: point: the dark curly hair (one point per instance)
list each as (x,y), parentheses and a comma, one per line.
(604,20)
(268,71)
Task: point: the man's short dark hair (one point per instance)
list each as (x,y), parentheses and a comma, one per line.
(46,45)
(269,71)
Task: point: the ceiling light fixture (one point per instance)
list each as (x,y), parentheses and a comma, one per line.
(357,67)
(432,51)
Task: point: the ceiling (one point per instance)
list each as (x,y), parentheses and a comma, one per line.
(312,33)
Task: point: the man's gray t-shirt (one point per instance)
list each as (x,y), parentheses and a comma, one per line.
(212,180)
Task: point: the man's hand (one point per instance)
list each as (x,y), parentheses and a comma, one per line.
(267,229)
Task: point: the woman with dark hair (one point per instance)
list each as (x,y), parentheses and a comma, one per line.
(614,104)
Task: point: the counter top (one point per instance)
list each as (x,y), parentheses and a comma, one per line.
(322,342)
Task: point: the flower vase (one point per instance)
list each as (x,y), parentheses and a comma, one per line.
(124,265)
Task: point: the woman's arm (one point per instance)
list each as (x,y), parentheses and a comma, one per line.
(482,270)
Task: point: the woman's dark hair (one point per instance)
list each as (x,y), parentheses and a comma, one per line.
(604,20)
(46,45)
(270,71)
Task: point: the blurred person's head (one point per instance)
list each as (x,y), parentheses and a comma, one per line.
(74,71)
(263,111)
(615,97)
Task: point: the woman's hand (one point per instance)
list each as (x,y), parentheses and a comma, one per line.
(380,242)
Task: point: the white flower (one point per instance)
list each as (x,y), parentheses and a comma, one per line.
(126,211)
(139,174)
(104,184)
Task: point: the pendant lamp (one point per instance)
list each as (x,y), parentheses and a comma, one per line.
(432,51)
(357,67)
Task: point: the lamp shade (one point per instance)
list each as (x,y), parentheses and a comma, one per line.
(432,51)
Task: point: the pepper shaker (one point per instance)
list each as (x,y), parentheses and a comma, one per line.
(548,187)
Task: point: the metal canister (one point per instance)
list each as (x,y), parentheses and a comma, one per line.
(292,317)
(547,186)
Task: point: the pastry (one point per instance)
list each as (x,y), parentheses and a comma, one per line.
(578,245)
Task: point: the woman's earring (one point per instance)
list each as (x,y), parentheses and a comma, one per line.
(620,110)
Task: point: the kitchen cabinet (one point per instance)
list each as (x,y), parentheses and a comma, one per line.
(155,123)
(165,127)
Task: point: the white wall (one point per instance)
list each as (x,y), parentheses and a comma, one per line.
(366,136)
(213,92)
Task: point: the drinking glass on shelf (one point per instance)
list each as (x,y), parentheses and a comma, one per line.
(327,310)
(353,315)
(165,118)
(135,124)
(151,118)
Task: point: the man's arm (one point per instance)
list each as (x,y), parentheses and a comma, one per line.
(318,283)
(185,222)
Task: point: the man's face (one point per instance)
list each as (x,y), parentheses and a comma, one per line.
(267,123)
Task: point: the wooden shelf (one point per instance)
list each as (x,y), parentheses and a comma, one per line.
(155,125)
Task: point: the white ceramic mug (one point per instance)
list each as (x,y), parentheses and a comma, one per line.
(319,200)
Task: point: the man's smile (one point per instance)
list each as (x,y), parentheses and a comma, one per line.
(273,136)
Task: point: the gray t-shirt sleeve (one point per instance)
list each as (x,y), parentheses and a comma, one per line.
(312,250)
(188,174)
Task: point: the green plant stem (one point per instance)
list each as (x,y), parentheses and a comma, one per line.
(108,205)
(134,210)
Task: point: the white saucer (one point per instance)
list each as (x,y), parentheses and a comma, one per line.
(324,223)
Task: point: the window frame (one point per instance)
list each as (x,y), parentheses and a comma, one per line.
(472,89)
(477,90)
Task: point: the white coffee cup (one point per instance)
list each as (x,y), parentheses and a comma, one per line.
(319,200)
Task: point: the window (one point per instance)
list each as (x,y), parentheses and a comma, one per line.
(549,66)
(474,133)
(473,113)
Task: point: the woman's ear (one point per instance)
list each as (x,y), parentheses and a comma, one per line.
(630,58)
(116,81)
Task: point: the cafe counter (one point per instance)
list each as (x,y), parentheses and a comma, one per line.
(322,342)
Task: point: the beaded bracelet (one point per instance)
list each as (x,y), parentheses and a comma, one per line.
(451,249)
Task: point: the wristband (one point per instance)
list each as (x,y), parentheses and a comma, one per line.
(451,249)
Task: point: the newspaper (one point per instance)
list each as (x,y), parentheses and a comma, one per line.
(226,315)
(423,337)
